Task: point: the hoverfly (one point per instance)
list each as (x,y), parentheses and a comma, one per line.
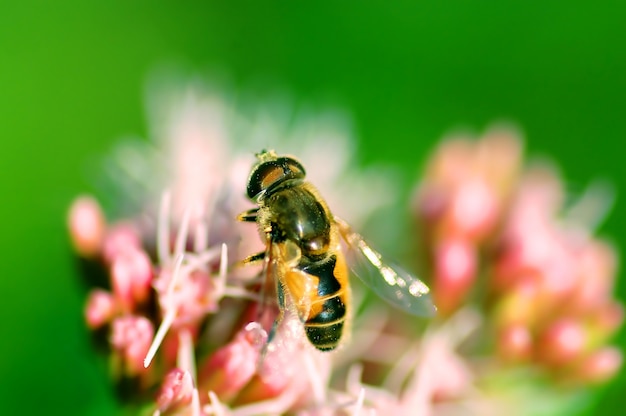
(304,255)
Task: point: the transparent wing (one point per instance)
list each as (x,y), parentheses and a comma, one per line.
(390,282)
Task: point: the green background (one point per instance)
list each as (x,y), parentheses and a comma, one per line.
(72,80)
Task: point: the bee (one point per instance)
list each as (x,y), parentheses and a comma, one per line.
(304,255)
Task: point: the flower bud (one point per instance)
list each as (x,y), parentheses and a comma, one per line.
(99,308)
(474,209)
(131,275)
(600,365)
(176,390)
(455,266)
(131,337)
(515,343)
(231,367)
(86,224)
(562,343)
(596,271)
(119,239)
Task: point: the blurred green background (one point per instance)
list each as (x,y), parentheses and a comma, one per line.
(72,79)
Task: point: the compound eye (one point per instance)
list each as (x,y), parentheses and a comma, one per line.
(293,167)
(264,176)
(273,172)
(270,175)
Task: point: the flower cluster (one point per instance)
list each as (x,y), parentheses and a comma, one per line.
(183,318)
(500,236)
(187,325)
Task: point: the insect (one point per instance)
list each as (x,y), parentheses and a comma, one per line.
(304,255)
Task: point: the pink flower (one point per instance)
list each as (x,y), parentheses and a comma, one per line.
(119,238)
(176,391)
(519,280)
(176,291)
(467,184)
(599,366)
(99,309)
(131,275)
(455,271)
(559,269)
(86,225)
(131,337)
(460,202)
(498,236)
(231,367)
(562,342)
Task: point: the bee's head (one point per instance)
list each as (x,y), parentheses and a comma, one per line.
(270,171)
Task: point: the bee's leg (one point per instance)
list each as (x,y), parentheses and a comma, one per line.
(254,258)
(249,215)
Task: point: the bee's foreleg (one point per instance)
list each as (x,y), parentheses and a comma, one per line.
(254,258)
(249,215)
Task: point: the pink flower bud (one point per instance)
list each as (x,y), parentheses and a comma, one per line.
(455,266)
(264,387)
(119,239)
(515,343)
(99,308)
(467,183)
(291,368)
(474,208)
(600,365)
(231,367)
(191,298)
(86,224)
(562,343)
(430,203)
(500,153)
(452,159)
(507,271)
(131,275)
(176,390)
(596,273)
(131,337)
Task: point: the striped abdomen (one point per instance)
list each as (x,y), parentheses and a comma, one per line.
(327,314)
